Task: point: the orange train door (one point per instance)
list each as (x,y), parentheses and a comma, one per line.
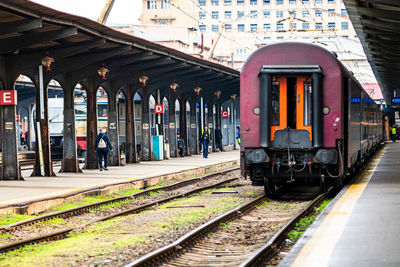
(304,104)
(279,105)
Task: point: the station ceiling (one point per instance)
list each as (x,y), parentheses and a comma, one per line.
(79,46)
(377,23)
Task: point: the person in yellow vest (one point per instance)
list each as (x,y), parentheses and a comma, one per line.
(205,140)
(394,133)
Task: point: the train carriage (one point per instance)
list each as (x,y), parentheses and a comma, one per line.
(304,117)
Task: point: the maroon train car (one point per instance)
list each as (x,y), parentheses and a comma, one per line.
(304,117)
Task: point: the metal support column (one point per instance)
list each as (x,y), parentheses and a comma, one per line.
(183,124)
(193,138)
(69,161)
(210,123)
(10,165)
(91,156)
(114,156)
(42,116)
(146,130)
(130,153)
(173,146)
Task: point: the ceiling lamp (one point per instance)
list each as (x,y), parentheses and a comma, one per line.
(233,97)
(143,80)
(218,94)
(46,62)
(173,87)
(197,90)
(102,72)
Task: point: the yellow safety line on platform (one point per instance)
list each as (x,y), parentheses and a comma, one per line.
(317,251)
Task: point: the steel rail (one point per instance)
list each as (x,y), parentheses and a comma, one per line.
(63,233)
(269,250)
(174,249)
(85,208)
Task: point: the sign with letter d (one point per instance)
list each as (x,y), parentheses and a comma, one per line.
(8,97)
(158,108)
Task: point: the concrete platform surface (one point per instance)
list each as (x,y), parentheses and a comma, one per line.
(361,226)
(35,188)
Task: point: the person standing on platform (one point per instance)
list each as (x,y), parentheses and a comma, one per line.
(238,134)
(102,146)
(218,138)
(205,140)
(181,144)
(394,133)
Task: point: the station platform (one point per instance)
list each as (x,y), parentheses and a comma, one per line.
(361,226)
(48,189)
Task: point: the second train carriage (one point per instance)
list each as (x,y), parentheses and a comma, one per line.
(304,117)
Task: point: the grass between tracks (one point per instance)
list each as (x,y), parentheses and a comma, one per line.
(107,239)
(305,222)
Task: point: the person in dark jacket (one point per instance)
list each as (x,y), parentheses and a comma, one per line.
(181,144)
(218,138)
(205,140)
(103,145)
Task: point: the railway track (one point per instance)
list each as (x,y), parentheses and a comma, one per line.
(59,234)
(236,238)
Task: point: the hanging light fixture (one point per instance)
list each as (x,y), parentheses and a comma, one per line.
(46,62)
(173,87)
(103,72)
(233,97)
(143,80)
(218,94)
(197,90)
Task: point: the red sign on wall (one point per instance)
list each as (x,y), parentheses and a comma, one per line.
(158,108)
(17,117)
(225,114)
(8,97)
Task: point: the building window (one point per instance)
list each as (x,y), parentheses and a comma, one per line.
(266,2)
(279,2)
(228,14)
(240,27)
(202,15)
(330,11)
(279,14)
(343,12)
(292,1)
(267,27)
(267,14)
(253,14)
(293,26)
(228,2)
(318,12)
(279,26)
(267,38)
(214,28)
(202,2)
(253,27)
(306,26)
(240,2)
(331,25)
(253,2)
(345,25)
(318,26)
(240,14)
(214,2)
(214,14)
(331,1)
(305,1)
(165,4)
(318,1)
(228,27)
(152,4)
(305,13)
(241,51)
(279,38)
(202,28)
(293,13)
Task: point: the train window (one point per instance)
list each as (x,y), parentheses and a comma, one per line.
(275,103)
(307,104)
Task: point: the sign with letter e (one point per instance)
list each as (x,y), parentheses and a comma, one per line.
(8,97)
(225,114)
(158,108)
